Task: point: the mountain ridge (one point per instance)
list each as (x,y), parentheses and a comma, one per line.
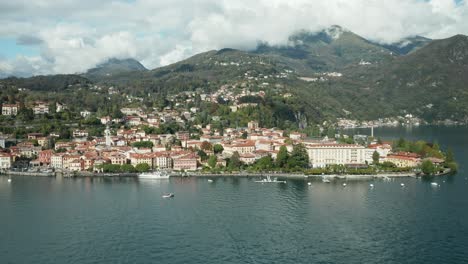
(369,81)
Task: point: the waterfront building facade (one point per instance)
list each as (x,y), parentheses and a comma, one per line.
(322,155)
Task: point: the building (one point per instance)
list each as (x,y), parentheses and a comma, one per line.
(75,165)
(44,142)
(131,111)
(242,148)
(56,161)
(5,161)
(119,159)
(297,136)
(253,125)
(248,158)
(10,109)
(59,107)
(322,155)
(163,161)
(40,108)
(45,156)
(188,162)
(404,159)
(105,120)
(136,159)
(85,113)
(77,133)
(382,149)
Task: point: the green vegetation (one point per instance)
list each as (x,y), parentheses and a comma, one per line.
(142,144)
(116,168)
(142,167)
(420,147)
(428,168)
(375,157)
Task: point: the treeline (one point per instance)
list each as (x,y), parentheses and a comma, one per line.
(125,168)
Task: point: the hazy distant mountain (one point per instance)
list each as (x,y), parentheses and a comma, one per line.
(407,45)
(115,67)
(431,81)
(331,49)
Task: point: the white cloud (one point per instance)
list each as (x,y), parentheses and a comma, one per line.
(76,35)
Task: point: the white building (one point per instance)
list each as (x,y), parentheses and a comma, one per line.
(56,161)
(10,109)
(41,108)
(85,113)
(321,155)
(5,161)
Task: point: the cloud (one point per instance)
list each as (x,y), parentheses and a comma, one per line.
(28,40)
(73,35)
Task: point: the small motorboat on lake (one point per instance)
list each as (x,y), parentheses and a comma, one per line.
(270,180)
(168,195)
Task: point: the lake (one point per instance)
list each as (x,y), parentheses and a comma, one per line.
(235,220)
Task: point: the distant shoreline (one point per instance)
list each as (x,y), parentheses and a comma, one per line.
(202,175)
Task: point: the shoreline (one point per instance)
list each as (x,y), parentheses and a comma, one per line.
(205,175)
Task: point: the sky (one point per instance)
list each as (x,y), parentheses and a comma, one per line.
(70,36)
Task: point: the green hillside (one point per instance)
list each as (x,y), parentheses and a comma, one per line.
(428,79)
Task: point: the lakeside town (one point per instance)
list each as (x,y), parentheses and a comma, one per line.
(133,144)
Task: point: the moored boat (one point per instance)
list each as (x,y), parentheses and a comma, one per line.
(270,180)
(154,175)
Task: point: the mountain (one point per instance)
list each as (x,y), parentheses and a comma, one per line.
(407,45)
(332,49)
(46,83)
(427,81)
(423,77)
(114,67)
(430,81)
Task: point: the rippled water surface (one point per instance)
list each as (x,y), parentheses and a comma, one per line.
(235,220)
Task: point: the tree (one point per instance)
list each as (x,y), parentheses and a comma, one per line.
(264,164)
(427,167)
(127,168)
(299,158)
(206,146)
(331,132)
(244,135)
(142,144)
(449,157)
(212,160)
(142,167)
(375,157)
(218,149)
(234,161)
(202,155)
(282,157)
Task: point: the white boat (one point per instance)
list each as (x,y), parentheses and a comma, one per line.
(402,184)
(168,195)
(344,184)
(270,180)
(154,175)
(325,180)
(435,184)
(210,180)
(371,185)
(9,179)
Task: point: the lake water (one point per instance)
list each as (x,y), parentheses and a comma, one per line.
(235,220)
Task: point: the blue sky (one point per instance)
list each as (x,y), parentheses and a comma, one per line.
(56,36)
(10,49)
